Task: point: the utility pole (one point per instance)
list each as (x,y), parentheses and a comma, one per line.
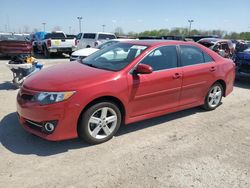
(80,23)
(103,27)
(44,24)
(190,26)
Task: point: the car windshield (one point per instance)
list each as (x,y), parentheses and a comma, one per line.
(207,44)
(243,47)
(106,44)
(114,57)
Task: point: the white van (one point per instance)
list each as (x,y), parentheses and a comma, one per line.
(87,40)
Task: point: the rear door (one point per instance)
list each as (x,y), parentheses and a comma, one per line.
(159,90)
(198,70)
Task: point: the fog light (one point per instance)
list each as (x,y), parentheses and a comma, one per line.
(49,127)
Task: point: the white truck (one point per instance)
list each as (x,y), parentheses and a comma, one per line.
(58,43)
(91,40)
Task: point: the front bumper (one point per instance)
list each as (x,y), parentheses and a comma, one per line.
(33,117)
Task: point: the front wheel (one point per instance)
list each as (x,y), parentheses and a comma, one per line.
(214,96)
(99,123)
(46,52)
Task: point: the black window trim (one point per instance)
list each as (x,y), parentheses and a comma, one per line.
(177,55)
(179,52)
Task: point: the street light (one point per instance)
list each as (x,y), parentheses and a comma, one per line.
(44,26)
(80,23)
(190,25)
(103,27)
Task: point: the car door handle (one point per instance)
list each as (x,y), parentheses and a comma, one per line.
(176,75)
(212,69)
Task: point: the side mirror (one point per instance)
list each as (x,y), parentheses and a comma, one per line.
(143,69)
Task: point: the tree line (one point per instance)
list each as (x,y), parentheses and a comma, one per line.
(185,32)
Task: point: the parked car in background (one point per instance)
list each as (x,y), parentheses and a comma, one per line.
(57,43)
(83,53)
(196,38)
(87,40)
(221,46)
(13,44)
(242,59)
(93,97)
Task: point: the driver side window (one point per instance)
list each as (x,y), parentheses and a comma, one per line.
(162,58)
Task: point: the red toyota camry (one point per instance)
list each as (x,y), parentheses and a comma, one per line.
(123,83)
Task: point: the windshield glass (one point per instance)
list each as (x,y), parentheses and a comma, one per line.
(114,57)
(207,44)
(106,44)
(243,47)
(55,36)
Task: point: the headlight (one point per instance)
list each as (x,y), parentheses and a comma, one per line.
(44,98)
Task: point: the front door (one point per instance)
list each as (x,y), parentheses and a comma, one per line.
(159,90)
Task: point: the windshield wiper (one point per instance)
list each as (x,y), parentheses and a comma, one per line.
(91,65)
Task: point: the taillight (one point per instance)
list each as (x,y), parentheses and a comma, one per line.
(76,42)
(48,43)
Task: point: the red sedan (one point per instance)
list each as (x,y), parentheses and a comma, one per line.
(123,83)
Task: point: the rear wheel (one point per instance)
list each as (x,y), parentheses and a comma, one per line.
(99,123)
(46,52)
(214,96)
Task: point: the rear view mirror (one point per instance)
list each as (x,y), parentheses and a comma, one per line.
(143,69)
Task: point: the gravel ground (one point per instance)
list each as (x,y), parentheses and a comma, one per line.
(192,148)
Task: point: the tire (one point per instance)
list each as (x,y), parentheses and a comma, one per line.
(46,52)
(106,120)
(213,97)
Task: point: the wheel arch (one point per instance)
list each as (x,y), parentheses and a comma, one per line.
(223,83)
(112,99)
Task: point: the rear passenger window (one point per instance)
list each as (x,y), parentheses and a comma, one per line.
(207,58)
(191,55)
(162,58)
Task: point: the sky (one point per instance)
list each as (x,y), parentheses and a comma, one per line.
(130,15)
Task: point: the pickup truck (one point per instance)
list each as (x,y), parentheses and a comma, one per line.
(57,43)
(91,40)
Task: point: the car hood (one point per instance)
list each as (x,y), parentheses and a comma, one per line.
(66,77)
(85,52)
(243,55)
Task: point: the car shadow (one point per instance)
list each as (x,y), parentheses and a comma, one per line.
(53,56)
(242,83)
(14,138)
(7,86)
(5,58)
(157,120)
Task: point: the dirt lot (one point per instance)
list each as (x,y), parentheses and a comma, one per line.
(192,148)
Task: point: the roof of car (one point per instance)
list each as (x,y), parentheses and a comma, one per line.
(157,42)
(212,40)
